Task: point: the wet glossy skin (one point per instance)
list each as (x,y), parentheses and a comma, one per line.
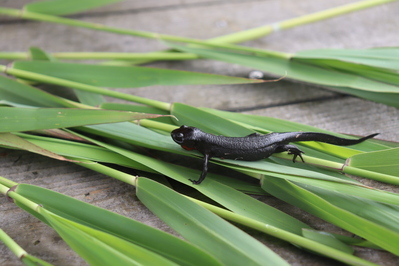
(249,148)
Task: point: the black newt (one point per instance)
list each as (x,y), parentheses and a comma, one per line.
(253,147)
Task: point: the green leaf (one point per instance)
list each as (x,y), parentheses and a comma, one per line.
(135,134)
(198,225)
(140,109)
(65,7)
(370,72)
(391,99)
(387,58)
(81,151)
(296,69)
(355,241)
(100,219)
(30,260)
(385,161)
(89,98)
(124,76)
(324,180)
(12,141)
(100,248)
(382,214)
(327,239)
(39,54)
(25,119)
(293,69)
(133,108)
(351,213)
(14,91)
(192,116)
(292,238)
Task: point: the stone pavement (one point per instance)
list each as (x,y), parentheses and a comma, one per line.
(201,19)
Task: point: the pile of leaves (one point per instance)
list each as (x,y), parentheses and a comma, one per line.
(104,136)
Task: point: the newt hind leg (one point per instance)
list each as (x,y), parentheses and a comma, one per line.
(291,149)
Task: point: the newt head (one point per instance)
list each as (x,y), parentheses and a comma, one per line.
(185,136)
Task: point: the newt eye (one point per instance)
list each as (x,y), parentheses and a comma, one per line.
(179,137)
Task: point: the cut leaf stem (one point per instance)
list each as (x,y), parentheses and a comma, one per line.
(371,175)
(6,182)
(11,244)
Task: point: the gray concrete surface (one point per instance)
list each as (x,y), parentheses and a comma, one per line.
(199,19)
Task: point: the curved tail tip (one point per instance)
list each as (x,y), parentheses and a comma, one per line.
(371,136)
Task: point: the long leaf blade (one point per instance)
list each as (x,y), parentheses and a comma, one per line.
(94,217)
(327,210)
(99,248)
(25,119)
(65,7)
(387,58)
(342,81)
(124,77)
(10,140)
(385,161)
(14,91)
(198,225)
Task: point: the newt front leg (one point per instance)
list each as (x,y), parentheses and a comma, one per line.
(204,171)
